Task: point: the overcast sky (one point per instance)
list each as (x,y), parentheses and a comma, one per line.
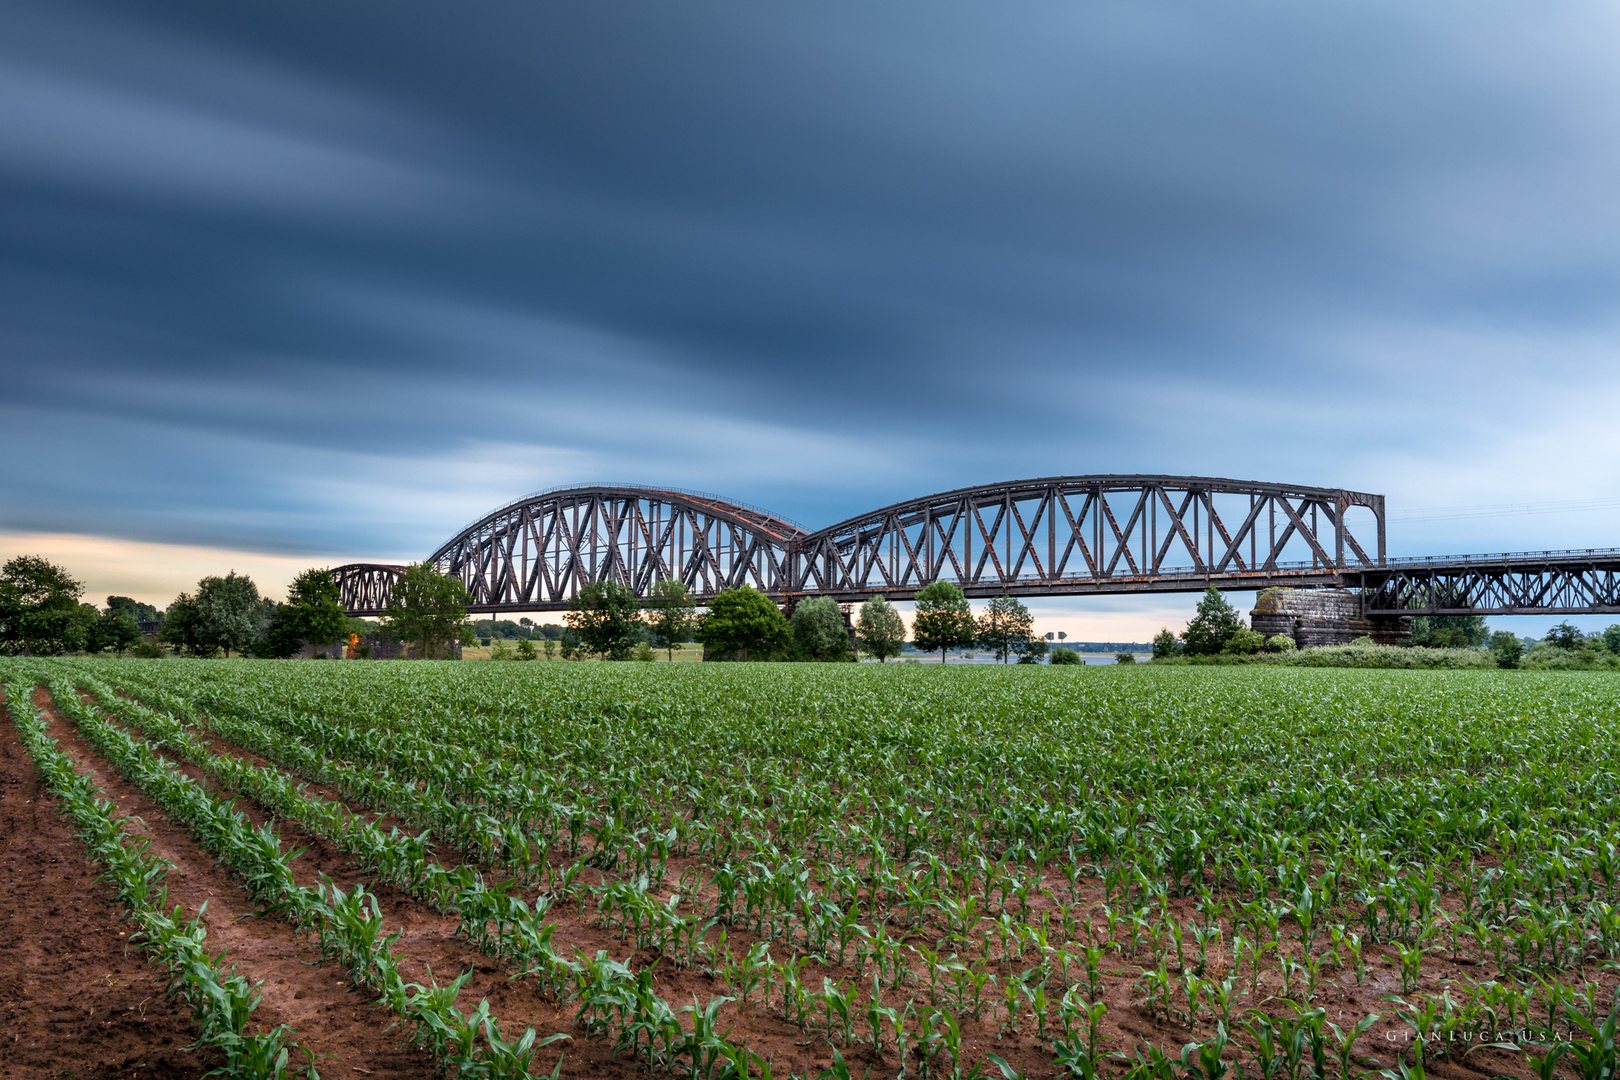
(324,281)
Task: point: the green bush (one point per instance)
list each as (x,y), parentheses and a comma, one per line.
(147,648)
(1244,642)
(1279,643)
(1350,656)
(1381,656)
(1066,656)
(1124,658)
(1166,644)
(1547,657)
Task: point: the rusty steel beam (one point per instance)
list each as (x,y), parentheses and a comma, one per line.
(1053,536)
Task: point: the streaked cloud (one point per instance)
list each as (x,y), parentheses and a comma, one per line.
(307,279)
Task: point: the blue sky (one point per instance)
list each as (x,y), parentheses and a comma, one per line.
(316,281)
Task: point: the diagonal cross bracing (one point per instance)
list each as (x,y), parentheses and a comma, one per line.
(1053,536)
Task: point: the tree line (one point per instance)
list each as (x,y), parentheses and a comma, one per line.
(41,613)
(606,620)
(1216,630)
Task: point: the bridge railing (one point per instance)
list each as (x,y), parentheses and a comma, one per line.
(1488,559)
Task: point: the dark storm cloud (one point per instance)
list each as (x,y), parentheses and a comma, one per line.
(338,276)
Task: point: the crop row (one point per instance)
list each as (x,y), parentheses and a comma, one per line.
(347,924)
(222,1002)
(999,850)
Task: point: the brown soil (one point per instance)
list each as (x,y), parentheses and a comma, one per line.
(343,1029)
(350,1033)
(73,1000)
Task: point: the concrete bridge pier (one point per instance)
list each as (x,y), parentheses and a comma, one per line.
(1324,617)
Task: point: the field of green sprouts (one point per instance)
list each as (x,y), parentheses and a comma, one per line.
(726,869)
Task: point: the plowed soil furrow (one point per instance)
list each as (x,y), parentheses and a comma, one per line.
(74,999)
(342,1027)
(428,948)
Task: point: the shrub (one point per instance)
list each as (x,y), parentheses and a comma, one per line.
(1243,642)
(1124,658)
(525,650)
(1506,648)
(1279,643)
(147,648)
(642,651)
(1065,656)
(1379,656)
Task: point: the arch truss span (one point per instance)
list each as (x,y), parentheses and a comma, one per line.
(1098,534)
(536,553)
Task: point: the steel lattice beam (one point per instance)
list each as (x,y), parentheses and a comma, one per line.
(1055,536)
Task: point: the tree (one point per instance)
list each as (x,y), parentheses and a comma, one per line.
(99,630)
(426,608)
(671,614)
(1212,626)
(117,629)
(571,647)
(1449,631)
(232,614)
(943,620)
(1004,626)
(1165,644)
(182,626)
(1506,648)
(282,637)
(1032,648)
(134,609)
(606,616)
(881,629)
(1446,631)
(1563,636)
(39,607)
(741,624)
(818,629)
(314,608)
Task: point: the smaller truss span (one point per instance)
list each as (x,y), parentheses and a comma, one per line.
(1580,582)
(364,588)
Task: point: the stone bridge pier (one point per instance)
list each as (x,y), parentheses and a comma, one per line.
(1324,617)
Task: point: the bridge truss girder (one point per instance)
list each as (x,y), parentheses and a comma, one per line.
(363,588)
(1094,534)
(1054,536)
(1540,583)
(537,553)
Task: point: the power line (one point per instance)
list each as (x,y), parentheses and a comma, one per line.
(1455,513)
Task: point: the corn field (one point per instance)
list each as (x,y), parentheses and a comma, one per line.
(1157,874)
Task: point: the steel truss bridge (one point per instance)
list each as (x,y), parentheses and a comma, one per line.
(1054,536)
